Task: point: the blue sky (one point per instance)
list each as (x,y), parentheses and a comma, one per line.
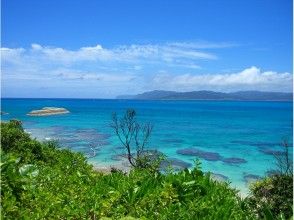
(101,49)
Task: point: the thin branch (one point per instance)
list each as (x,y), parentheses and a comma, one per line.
(129,131)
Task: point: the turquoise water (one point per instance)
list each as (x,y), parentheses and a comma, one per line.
(248,131)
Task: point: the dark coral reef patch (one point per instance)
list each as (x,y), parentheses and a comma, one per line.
(234,160)
(206,155)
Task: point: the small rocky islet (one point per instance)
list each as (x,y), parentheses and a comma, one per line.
(46,111)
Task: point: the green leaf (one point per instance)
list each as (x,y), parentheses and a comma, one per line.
(28,170)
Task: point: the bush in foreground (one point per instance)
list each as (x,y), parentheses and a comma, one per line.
(275,194)
(272,197)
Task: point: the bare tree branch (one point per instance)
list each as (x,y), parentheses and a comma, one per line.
(283,160)
(133,136)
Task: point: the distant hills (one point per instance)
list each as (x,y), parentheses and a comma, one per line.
(210,95)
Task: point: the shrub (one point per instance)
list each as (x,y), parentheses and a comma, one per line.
(273,195)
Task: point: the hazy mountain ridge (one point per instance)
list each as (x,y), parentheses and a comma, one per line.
(211,95)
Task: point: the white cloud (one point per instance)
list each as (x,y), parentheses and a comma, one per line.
(36,47)
(248,79)
(163,53)
(11,55)
(202,45)
(88,76)
(126,69)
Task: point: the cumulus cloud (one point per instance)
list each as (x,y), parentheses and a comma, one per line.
(248,79)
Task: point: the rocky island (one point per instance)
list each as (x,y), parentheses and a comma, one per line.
(48,111)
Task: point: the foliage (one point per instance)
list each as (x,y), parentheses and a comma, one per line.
(49,183)
(273,195)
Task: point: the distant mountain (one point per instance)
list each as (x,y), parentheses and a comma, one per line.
(210,95)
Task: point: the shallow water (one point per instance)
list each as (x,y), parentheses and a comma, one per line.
(243,135)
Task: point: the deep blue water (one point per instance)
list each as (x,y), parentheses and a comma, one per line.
(243,130)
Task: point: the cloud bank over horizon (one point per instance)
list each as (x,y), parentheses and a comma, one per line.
(98,72)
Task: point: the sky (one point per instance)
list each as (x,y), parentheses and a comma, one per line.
(105,48)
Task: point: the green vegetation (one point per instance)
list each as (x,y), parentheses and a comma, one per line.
(40,181)
(273,195)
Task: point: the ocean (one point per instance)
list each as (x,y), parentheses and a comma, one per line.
(234,140)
